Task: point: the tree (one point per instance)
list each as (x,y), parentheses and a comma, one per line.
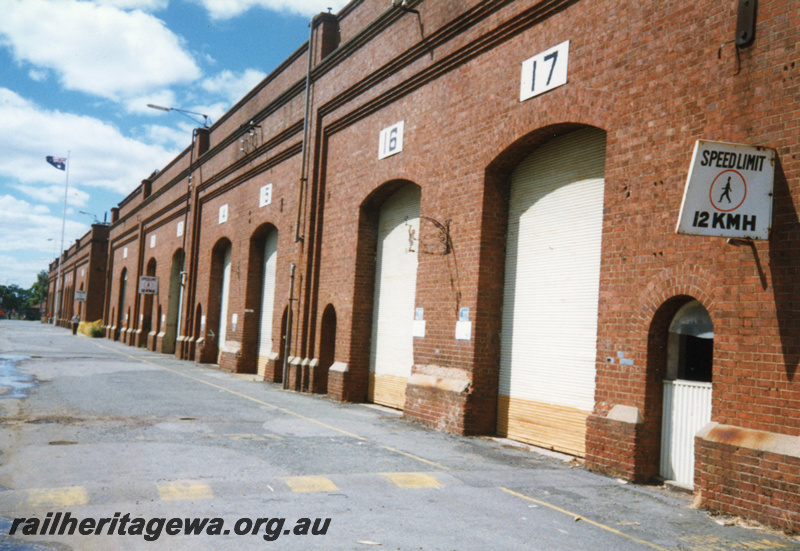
(38,291)
(13,297)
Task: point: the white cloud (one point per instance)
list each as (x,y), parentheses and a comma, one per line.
(231,86)
(226,9)
(97,48)
(101,156)
(37,75)
(23,271)
(178,137)
(144,5)
(26,227)
(53,194)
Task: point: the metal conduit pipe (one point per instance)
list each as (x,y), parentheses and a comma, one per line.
(300,194)
(306,116)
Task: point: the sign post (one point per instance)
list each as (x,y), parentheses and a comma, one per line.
(728,192)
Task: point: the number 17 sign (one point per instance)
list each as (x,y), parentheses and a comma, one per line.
(544,71)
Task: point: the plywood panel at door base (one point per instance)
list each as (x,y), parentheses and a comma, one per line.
(387,390)
(551,426)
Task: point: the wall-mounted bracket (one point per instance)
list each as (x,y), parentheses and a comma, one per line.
(745,30)
(746,23)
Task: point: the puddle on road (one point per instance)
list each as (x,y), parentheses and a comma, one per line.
(6,543)
(14,383)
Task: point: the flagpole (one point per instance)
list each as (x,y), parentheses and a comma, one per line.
(63,225)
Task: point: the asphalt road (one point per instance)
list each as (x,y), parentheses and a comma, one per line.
(133,448)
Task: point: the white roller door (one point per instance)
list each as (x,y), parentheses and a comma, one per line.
(224,291)
(551,293)
(181,287)
(392,353)
(267,300)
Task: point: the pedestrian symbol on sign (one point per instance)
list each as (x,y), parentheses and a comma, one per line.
(728,191)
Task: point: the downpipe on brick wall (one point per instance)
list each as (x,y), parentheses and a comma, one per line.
(188,325)
(306,116)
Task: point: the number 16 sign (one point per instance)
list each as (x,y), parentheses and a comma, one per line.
(544,71)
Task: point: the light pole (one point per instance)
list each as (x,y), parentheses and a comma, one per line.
(63,226)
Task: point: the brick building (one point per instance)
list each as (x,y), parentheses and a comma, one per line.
(467,210)
(82,287)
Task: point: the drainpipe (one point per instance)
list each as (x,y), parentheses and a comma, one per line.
(306,116)
(288,335)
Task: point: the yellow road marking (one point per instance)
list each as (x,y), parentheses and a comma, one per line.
(239,437)
(412,456)
(57,497)
(413,480)
(283,410)
(310,484)
(184,490)
(584,519)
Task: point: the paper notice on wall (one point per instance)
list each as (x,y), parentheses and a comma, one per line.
(463,330)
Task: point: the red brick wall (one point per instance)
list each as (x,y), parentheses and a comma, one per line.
(753,483)
(647,74)
(611,448)
(83,268)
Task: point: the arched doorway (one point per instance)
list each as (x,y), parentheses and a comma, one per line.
(548,348)
(687,390)
(199,327)
(392,344)
(153,345)
(123,284)
(278,375)
(174,303)
(327,348)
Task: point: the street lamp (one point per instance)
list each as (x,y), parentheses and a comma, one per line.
(96,221)
(184,112)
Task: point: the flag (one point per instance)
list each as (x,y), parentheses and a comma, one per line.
(59,162)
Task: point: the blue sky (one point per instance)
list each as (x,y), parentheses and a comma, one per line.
(76,76)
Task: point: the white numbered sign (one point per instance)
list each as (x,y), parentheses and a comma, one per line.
(265,197)
(544,71)
(391,140)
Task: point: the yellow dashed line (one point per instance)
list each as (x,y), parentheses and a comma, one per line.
(584,519)
(413,480)
(239,437)
(310,484)
(184,490)
(57,497)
